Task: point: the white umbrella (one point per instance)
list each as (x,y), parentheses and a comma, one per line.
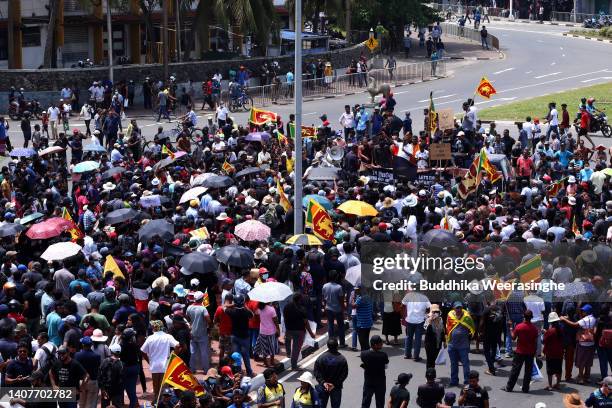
(192,194)
(353,275)
(60,251)
(200,178)
(252,230)
(268,292)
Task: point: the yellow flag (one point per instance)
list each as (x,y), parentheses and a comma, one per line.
(110,265)
(180,377)
(167,151)
(200,233)
(228,168)
(289,164)
(284,201)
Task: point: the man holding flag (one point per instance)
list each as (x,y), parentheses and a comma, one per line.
(157,349)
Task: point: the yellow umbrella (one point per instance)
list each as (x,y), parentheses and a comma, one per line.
(358,208)
(608,171)
(304,239)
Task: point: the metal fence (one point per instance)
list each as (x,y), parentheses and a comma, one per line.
(575,17)
(345,84)
(468,33)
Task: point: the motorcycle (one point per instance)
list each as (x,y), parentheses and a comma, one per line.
(15,111)
(599,123)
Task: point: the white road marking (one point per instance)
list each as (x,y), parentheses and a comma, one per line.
(547,75)
(528,72)
(594,79)
(552,81)
(309,113)
(561,48)
(438,97)
(553,63)
(503,70)
(563,55)
(540,41)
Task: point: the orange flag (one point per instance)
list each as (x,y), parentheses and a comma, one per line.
(485,88)
(74,231)
(180,377)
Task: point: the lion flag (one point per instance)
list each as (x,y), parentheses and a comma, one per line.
(228,168)
(284,201)
(307,131)
(180,377)
(261,117)
(75,232)
(433,116)
(485,88)
(320,221)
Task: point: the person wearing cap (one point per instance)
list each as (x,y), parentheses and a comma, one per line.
(399,397)
(430,394)
(198,316)
(602,396)
(553,350)
(473,394)
(156,349)
(305,396)
(90,360)
(525,334)
(374,362)
(110,378)
(72,334)
(585,347)
(460,328)
(272,393)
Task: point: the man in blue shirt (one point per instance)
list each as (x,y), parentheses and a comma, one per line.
(564,156)
(90,360)
(363,119)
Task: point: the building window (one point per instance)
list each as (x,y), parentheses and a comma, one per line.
(31,36)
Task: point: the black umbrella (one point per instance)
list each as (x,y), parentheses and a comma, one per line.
(217,181)
(10,229)
(164,163)
(156,227)
(199,262)
(235,255)
(110,173)
(249,171)
(440,238)
(121,215)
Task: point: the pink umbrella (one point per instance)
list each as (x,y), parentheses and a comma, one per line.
(252,230)
(49,228)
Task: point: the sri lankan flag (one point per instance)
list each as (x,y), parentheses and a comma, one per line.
(433,116)
(228,168)
(445,224)
(167,151)
(554,188)
(500,293)
(452,322)
(75,232)
(320,221)
(485,88)
(284,201)
(180,377)
(282,139)
(492,172)
(531,270)
(471,180)
(261,117)
(575,228)
(206,299)
(307,131)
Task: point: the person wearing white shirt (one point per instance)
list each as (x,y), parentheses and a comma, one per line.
(528,128)
(221,114)
(553,120)
(54,113)
(508,229)
(410,228)
(347,120)
(157,349)
(264,158)
(81,301)
(417,306)
(116,155)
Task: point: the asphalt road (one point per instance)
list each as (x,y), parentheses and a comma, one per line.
(353,387)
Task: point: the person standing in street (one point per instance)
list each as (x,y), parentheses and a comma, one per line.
(156,349)
(459,328)
(585,349)
(90,360)
(240,316)
(110,378)
(198,316)
(525,334)
(330,370)
(296,326)
(272,393)
(333,296)
(347,121)
(417,307)
(430,393)
(374,363)
(484,36)
(26,128)
(54,114)
(68,373)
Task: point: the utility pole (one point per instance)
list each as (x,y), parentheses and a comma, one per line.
(109,40)
(165,36)
(178,31)
(297,205)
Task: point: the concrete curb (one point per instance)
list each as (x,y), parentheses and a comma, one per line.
(554,23)
(587,38)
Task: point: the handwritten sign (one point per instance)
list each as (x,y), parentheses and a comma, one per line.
(439,151)
(446,118)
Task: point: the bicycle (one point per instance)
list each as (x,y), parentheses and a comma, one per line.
(243,101)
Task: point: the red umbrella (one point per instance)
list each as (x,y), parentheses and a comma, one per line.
(49,228)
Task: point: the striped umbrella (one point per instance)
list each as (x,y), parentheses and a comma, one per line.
(304,239)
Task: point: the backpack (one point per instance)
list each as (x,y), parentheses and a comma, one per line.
(107,369)
(50,362)
(270,218)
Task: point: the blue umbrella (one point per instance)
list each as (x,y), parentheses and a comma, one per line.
(31,217)
(325,203)
(94,147)
(86,166)
(257,137)
(22,152)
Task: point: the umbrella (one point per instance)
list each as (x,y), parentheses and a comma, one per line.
(439,238)
(574,289)
(192,194)
(304,239)
(156,227)
(112,172)
(325,203)
(50,150)
(31,217)
(607,171)
(358,208)
(353,275)
(257,137)
(49,228)
(235,255)
(94,147)
(252,230)
(199,262)
(199,179)
(10,229)
(84,167)
(248,171)
(22,152)
(323,173)
(60,251)
(121,215)
(414,297)
(269,292)
(217,181)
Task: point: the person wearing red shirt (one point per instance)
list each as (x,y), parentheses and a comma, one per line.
(526,335)
(525,165)
(553,350)
(225,328)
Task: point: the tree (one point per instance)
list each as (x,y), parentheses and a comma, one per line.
(50,56)
(311,10)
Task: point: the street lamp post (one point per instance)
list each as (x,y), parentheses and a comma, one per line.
(109,40)
(297,205)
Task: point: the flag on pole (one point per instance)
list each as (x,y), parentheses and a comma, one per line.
(282,139)
(206,299)
(228,168)
(485,88)
(492,172)
(75,231)
(180,377)
(554,188)
(445,224)
(575,228)
(307,131)
(320,221)
(531,270)
(284,201)
(110,265)
(471,180)
(433,116)
(500,293)
(167,151)
(261,117)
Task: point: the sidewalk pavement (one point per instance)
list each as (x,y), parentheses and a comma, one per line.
(454,48)
(559,23)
